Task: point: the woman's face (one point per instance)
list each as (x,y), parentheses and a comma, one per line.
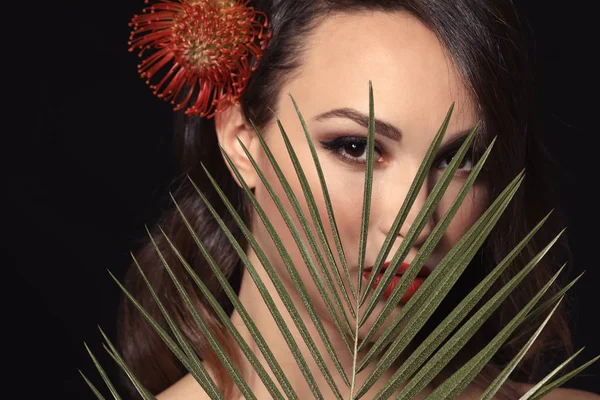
(414,85)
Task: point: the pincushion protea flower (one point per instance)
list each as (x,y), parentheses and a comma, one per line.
(202,49)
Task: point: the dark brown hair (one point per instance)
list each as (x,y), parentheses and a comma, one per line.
(485,41)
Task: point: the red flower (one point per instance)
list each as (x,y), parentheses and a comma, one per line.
(204,46)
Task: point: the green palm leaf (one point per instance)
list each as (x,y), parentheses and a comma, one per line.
(112,351)
(305,224)
(429,358)
(105,377)
(453,386)
(497,383)
(539,392)
(266,351)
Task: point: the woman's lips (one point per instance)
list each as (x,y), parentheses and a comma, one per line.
(412,288)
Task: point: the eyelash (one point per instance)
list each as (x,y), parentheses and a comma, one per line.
(338,144)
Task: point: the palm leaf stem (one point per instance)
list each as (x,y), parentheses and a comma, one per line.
(366,207)
(366,211)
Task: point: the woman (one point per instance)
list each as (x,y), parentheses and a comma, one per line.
(422,56)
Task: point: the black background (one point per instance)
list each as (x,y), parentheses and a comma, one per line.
(90,160)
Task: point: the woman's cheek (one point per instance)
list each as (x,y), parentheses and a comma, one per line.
(472,207)
(347,199)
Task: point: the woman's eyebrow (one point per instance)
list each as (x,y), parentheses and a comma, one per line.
(454,143)
(389,130)
(381,127)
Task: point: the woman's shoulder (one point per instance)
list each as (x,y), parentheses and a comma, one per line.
(185,388)
(563,394)
(188,388)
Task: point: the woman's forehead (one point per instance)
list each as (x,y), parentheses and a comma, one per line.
(414,79)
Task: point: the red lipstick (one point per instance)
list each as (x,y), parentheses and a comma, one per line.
(412,288)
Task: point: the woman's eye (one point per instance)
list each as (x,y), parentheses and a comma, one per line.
(351,148)
(466,163)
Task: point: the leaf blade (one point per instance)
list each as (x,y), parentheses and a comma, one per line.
(297,281)
(197,370)
(368,188)
(92,387)
(449,265)
(305,226)
(103,373)
(503,376)
(556,383)
(112,351)
(366,211)
(331,216)
(411,196)
(281,324)
(436,287)
(423,216)
(227,363)
(447,326)
(252,328)
(458,382)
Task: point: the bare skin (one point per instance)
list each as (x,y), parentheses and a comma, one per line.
(414,85)
(188,389)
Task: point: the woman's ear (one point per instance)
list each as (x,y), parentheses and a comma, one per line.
(230,125)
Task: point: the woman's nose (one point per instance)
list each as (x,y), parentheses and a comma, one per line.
(389,201)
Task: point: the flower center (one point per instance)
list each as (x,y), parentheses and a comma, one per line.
(206,34)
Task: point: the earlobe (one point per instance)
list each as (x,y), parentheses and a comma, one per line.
(231,125)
